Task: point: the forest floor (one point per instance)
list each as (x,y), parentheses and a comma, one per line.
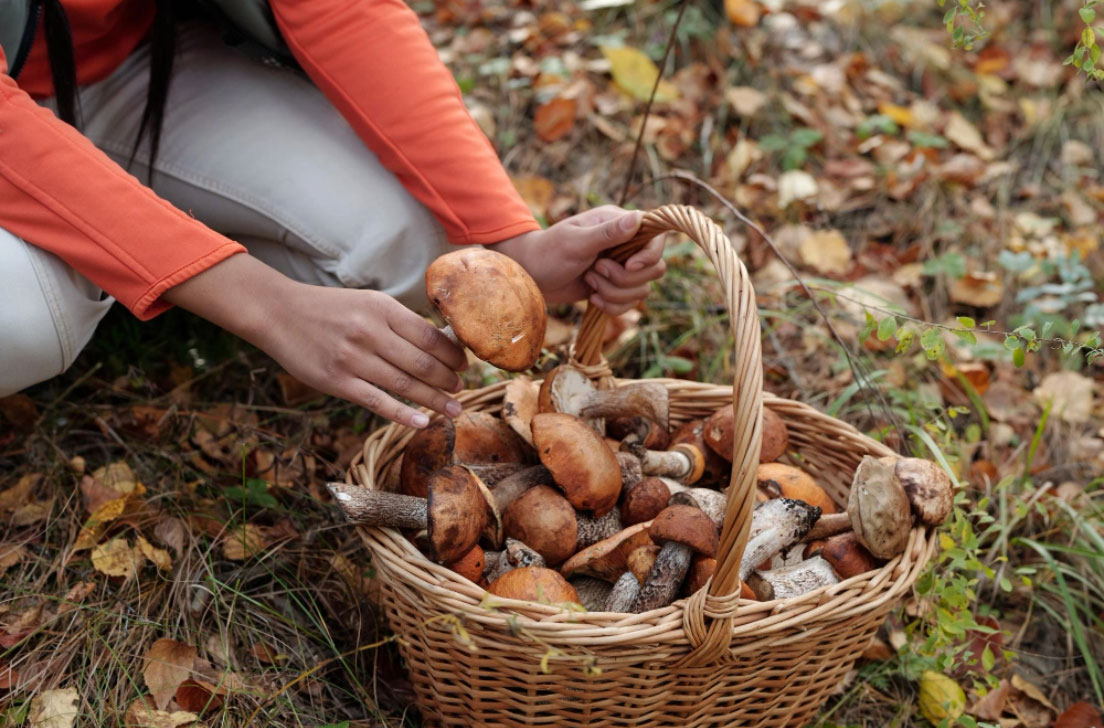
(164,531)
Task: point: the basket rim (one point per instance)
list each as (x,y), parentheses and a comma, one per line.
(397,559)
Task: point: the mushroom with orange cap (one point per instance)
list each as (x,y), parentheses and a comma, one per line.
(719,434)
(681,531)
(786,481)
(492,305)
(684,462)
(581,464)
(534,584)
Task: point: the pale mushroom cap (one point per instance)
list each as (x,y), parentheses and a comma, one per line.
(457,513)
(534,584)
(493,305)
(543,520)
(688,526)
(564,389)
(795,483)
(928,488)
(580,462)
(879,509)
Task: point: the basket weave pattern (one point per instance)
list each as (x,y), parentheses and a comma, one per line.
(710,660)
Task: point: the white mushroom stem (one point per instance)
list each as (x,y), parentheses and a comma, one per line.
(664,579)
(661,463)
(631,471)
(775,525)
(624,592)
(516,554)
(378,508)
(593,530)
(792,581)
(639,399)
(593,593)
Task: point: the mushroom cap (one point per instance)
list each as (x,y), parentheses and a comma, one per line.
(457,513)
(534,584)
(928,488)
(717,470)
(779,479)
(608,558)
(641,559)
(697,461)
(718,432)
(879,509)
(644,502)
(564,389)
(473,438)
(776,437)
(470,565)
(701,571)
(847,556)
(519,404)
(493,305)
(542,519)
(688,526)
(580,462)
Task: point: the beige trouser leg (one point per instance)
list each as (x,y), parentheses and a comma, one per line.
(254,152)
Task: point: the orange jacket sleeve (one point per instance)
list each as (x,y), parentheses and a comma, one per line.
(58,192)
(375,63)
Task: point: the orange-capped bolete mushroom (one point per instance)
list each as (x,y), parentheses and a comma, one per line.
(627,587)
(652,435)
(534,584)
(717,470)
(473,439)
(720,435)
(847,556)
(544,520)
(581,464)
(454,514)
(470,565)
(644,501)
(519,404)
(608,558)
(566,389)
(491,304)
(786,481)
(681,531)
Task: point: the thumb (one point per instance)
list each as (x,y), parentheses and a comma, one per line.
(613,232)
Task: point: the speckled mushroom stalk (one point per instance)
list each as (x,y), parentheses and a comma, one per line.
(566,389)
(593,593)
(775,525)
(712,502)
(681,531)
(627,587)
(492,305)
(454,515)
(792,581)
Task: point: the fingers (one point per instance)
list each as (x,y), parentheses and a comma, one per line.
(605,232)
(614,294)
(372,398)
(648,256)
(428,339)
(613,309)
(622,276)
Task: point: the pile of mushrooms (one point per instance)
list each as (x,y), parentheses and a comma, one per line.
(574,494)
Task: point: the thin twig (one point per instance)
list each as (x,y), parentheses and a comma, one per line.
(861,377)
(648,108)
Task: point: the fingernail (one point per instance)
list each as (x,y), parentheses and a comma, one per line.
(420,420)
(628,222)
(634,265)
(453,409)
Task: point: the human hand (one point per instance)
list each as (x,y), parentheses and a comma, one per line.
(562,259)
(362,346)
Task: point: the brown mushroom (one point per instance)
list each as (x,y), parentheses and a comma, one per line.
(534,584)
(847,556)
(644,501)
(717,470)
(719,434)
(542,519)
(473,439)
(681,531)
(928,488)
(608,558)
(513,555)
(454,515)
(627,587)
(711,502)
(470,565)
(566,389)
(786,481)
(581,464)
(492,305)
(508,489)
(684,462)
(519,404)
(651,434)
(879,509)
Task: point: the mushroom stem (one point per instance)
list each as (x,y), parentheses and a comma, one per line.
(664,578)
(639,399)
(494,473)
(624,592)
(828,525)
(515,555)
(593,530)
(775,525)
(377,508)
(711,502)
(792,581)
(593,593)
(684,463)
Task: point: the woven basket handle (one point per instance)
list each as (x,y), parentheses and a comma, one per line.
(710,640)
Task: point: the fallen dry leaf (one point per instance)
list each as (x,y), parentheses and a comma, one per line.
(172,532)
(795,185)
(30,513)
(10,555)
(743,13)
(1076,153)
(159,557)
(9,676)
(117,558)
(76,594)
(143,714)
(635,74)
(19,409)
(1072,394)
(19,494)
(168,663)
(1080,715)
(536,191)
(97,523)
(977,289)
(54,709)
(198,697)
(242,542)
(555,119)
(118,476)
(826,252)
(745,100)
(965,135)
(265,654)
(991,705)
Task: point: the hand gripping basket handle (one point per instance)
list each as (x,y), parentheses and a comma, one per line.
(711,639)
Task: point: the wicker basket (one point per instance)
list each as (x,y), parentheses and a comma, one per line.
(710,660)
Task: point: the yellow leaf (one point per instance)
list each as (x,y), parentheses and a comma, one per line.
(117,558)
(54,709)
(940,697)
(142,714)
(899,114)
(118,476)
(10,555)
(243,542)
(167,664)
(20,493)
(635,73)
(827,252)
(159,557)
(94,527)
